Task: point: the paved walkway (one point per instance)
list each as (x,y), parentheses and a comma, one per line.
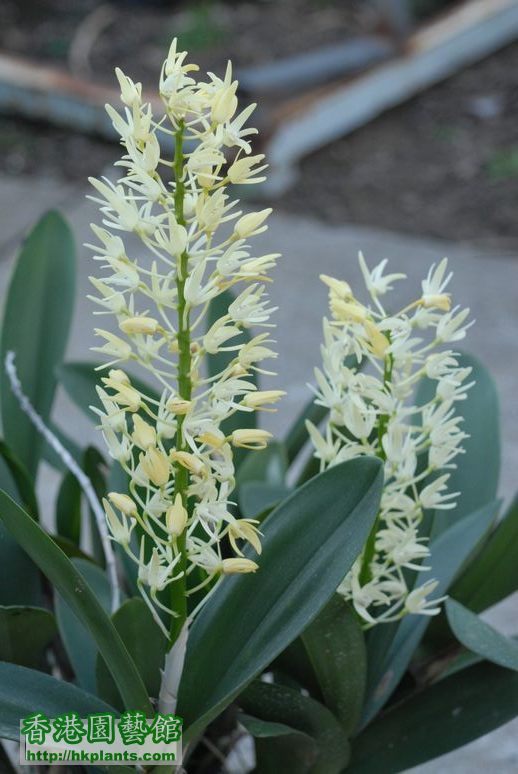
(486,283)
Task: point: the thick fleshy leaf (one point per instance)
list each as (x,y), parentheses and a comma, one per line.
(261,480)
(37,318)
(481,638)
(310,542)
(81,599)
(448,552)
(97,470)
(256,498)
(79,643)
(336,647)
(441,718)
(25,632)
(21,478)
(20,580)
(268,465)
(493,574)
(146,645)
(79,379)
(297,435)
(24,691)
(478,469)
(279,704)
(68,509)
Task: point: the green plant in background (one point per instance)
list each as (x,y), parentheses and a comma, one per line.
(248,641)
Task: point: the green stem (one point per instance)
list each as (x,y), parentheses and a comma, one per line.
(178,588)
(369,550)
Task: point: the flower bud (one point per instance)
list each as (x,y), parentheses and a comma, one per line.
(144,435)
(189,461)
(131,93)
(339,288)
(145,325)
(155,466)
(224,104)
(178,405)
(377,341)
(347,311)
(251,223)
(176,517)
(440,301)
(260,398)
(250,439)
(123,503)
(117,376)
(238,565)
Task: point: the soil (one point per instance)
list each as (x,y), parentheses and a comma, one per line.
(444,164)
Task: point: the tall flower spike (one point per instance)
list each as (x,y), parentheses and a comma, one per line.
(374,412)
(179,462)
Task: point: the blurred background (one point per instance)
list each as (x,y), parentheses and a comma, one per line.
(442,162)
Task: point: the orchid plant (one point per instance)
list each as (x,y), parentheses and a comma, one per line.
(304,604)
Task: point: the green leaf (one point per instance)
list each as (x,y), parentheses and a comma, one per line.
(336,648)
(261,479)
(493,573)
(24,691)
(279,704)
(68,509)
(444,717)
(297,435)
(310,542)
(146,645)
(78,642)
(480,638)
(448,552)
(477,472)
(25,633)
(20,582)
(50,456)
(267,466)
(255,498)
(76,592)
(96,469)
(37,318)
(21,478)
(265,728)
(79,379)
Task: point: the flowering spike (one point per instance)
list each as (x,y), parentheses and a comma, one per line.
(179,461)
(375,414)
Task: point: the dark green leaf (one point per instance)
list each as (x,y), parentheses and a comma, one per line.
(24,691)
(310,542)
(441,718)
(68,509)
(255,498)
(477,472)
(50,456)
(146,645)
(267,466)
(297,435)
(78,642)
(96,469)
(336,648)
(37,318)
(21,478)
(264,728)
(76,592)
(480,638)
(80,379)
(279,704)
(493,573)
(448,552)
(25,633)
(20,582)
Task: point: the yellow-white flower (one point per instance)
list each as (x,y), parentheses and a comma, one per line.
(179,460)
(373,413)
